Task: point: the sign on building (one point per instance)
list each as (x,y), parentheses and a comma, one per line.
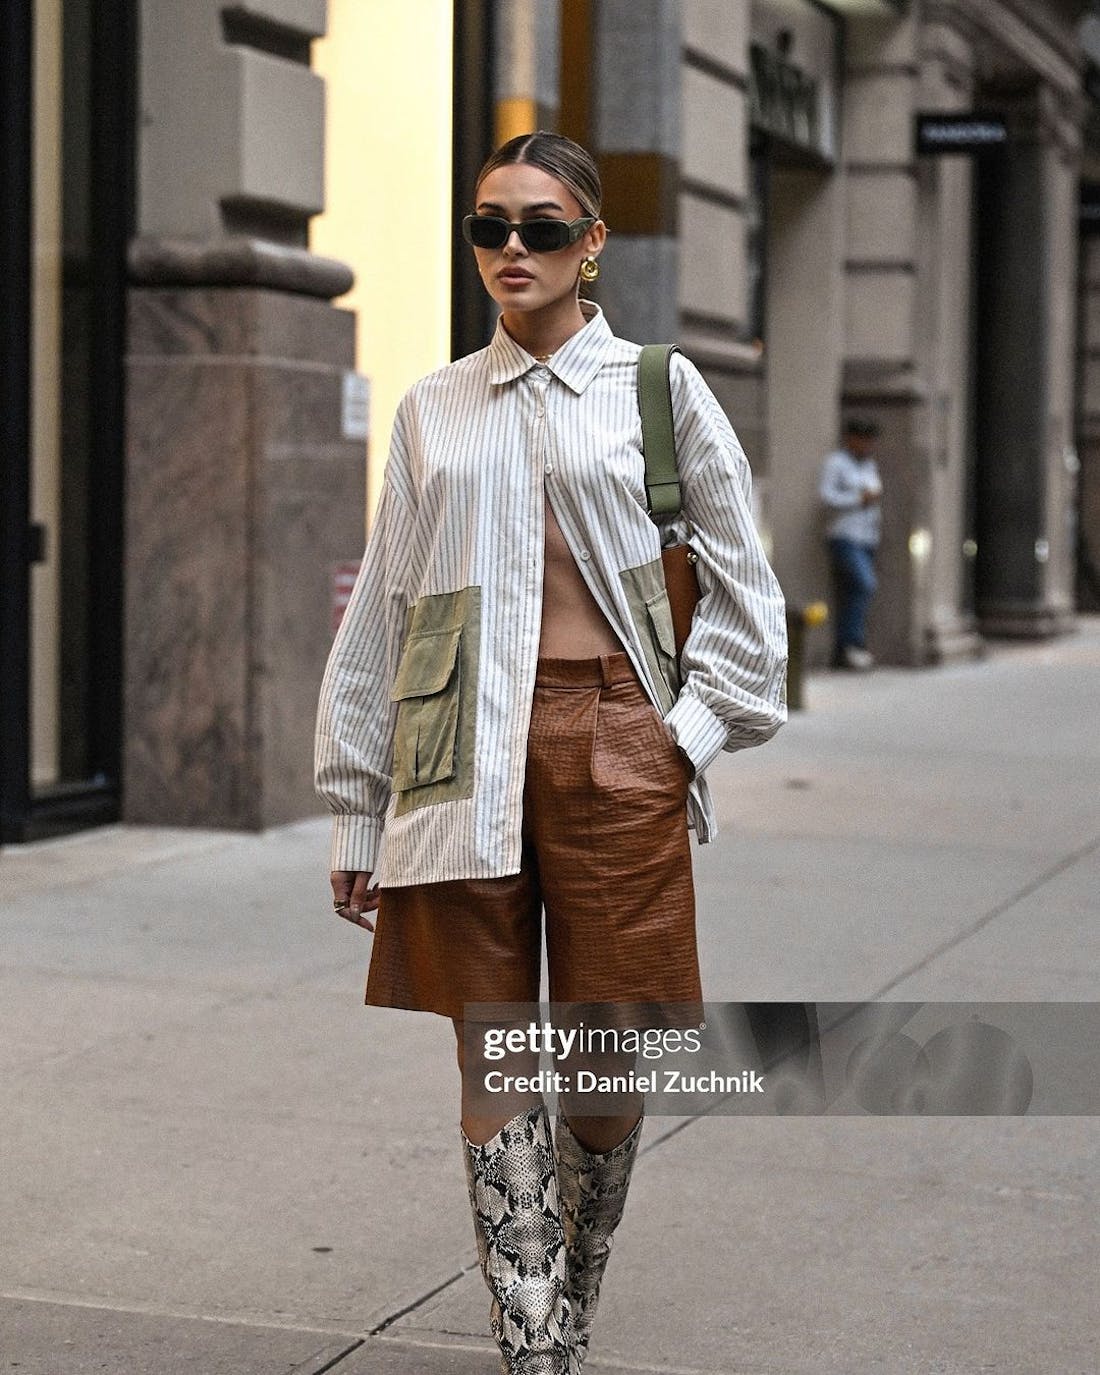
(974,132)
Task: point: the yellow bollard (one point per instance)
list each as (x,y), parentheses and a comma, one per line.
(799,620)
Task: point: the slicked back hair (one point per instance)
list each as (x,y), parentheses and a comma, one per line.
(554,153)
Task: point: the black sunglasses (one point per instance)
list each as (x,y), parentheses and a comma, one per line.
(538,236)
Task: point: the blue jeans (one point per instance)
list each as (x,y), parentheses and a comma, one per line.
(855,581)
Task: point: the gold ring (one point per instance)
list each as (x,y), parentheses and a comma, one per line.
(339,903)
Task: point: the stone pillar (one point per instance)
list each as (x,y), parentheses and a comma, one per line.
(943,232)
(1087,439)
(1027,219)
(231,135)
(244,469)
(1088,422)
(525,70)
(715,210)
(633,128)
(805,293)
(882,375)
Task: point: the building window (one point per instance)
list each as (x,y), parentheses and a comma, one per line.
(756,239)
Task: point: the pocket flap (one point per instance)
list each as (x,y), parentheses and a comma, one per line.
(427,663)
(660,617)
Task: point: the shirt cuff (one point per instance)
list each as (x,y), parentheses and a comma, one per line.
(355,842)
(697,731)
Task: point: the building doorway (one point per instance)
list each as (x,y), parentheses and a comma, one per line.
(67,112)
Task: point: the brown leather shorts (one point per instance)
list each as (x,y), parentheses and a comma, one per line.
(605,850)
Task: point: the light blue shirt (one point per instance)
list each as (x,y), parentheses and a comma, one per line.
(844,479)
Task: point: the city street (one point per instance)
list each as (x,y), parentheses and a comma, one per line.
(217,1160)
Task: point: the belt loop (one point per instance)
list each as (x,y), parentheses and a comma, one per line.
(606,673)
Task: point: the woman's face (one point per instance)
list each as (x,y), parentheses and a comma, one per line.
(516,278)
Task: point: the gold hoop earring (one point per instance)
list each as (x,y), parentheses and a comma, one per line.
(590,269)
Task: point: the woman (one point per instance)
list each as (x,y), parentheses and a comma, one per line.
(503,728)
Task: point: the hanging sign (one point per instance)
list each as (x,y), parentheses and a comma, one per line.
(355,406)
(960,133)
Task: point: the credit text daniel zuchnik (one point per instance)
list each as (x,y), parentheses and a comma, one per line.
(652,1081)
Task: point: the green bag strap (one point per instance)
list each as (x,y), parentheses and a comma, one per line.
(662,480)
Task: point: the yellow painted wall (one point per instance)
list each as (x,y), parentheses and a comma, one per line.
(387,69)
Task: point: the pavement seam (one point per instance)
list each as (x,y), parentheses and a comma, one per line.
(416,1303)
(1065,863)
(1006,904)
(614,1367)
(429,1345)
(309,1369)
(152,1310)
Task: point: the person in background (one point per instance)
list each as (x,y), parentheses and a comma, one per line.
(851,491)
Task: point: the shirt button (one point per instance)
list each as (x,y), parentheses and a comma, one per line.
(585,554)
(549,468)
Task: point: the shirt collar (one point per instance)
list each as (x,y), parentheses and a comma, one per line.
(576,363)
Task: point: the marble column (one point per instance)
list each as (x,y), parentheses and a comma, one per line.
(245,453)
(717,208)
(884,376)
(525,67)
(244,496)
(1088,421)
(1023,431)
(632,127)
(943,321)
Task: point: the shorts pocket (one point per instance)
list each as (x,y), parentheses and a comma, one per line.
(683,764)
(427,689)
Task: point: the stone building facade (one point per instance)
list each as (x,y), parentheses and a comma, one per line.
(183,401)
(770,210)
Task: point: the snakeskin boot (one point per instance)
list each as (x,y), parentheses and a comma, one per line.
(514,1199)
(593,1190)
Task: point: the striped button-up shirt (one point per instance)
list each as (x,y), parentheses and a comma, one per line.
(426,700)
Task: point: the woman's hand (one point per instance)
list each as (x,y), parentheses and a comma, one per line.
(354,897)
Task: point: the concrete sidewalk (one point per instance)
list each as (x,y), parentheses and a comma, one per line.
(217,1160)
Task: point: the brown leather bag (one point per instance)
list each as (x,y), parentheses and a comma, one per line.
(662,482)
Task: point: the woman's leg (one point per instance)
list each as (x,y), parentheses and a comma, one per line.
(582,1176)
(619,1108)
(478,1124)
(592,1187)
(460,944)
(512,1184)
(609,794)
(595,1156)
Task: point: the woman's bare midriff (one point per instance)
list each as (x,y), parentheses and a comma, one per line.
(573,626)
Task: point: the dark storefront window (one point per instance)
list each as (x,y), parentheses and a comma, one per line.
(67,180)
(471,310)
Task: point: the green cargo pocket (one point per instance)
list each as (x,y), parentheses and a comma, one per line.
(651,614)
(426,688)
(659,613)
